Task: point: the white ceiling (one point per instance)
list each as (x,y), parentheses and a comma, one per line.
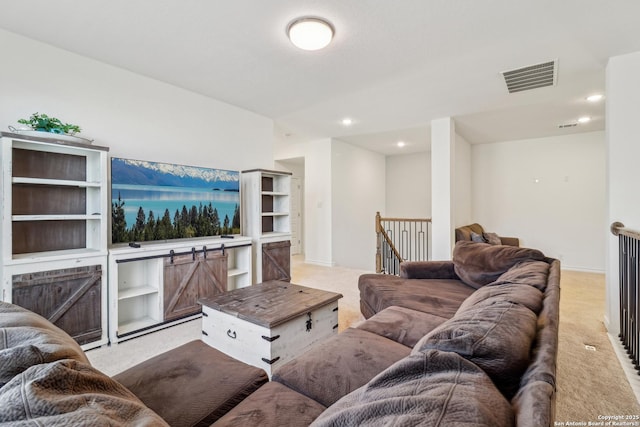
(392,67)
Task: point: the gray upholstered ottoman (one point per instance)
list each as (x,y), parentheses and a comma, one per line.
(193,384)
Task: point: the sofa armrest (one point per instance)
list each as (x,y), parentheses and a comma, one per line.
(427,270)
(510,241)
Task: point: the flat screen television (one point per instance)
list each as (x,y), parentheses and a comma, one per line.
(162,201)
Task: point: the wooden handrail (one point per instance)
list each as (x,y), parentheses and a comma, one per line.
(618,228)
(391,245)
(402,219)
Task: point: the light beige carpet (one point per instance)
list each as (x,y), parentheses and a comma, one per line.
(591,384)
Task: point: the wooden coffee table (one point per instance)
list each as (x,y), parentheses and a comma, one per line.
(268,324)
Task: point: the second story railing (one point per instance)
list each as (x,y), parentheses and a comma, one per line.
(629,288)
(400,239)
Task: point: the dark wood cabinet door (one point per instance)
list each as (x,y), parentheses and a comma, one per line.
(188,278)
(276,261)
(69,298)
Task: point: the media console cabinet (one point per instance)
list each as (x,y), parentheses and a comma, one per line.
(158,284)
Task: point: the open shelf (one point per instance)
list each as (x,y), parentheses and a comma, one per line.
(135,325)
(136,292)
(55,217)
(236,272)
(60,182)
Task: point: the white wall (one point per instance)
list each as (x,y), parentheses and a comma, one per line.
(135,116)
(344,187)
(563,214)
(443,157)
(408,186)
(317,196)
(623,152)
(358,192)
(462,183)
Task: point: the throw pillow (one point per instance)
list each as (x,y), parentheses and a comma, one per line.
(492,238)
(475,237)
(497,338)
(478,264)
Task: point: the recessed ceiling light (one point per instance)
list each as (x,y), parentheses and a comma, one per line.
(584,119)
(401,144)
(310,33)
(595,98)
(347,121)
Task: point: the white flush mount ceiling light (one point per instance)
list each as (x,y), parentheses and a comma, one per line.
(584,119)
(310,33)
(347,121)
(401,144)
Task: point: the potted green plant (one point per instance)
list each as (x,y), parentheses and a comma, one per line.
(44,123)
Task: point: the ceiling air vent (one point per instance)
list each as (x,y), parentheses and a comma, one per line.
(531,77)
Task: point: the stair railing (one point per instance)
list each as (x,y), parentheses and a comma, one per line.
(400,239)
(629,282)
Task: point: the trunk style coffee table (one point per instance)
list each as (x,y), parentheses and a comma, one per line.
(268,324)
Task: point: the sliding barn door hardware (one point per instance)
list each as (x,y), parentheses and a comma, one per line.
(173,253)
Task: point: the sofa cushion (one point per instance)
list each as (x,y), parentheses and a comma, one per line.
(495,337)
(339,365)
(402,325)
(527,296)
(193,384)
(532,273)
(440,297)
(478,264)
(273,404)
(70,393)
(27,339)
(491,238)
(430,388)
(427,270)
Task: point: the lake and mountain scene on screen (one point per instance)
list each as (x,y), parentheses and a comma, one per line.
(161,201)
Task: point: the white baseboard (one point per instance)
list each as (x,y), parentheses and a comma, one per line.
(581,269)
(627,366)
(320,263)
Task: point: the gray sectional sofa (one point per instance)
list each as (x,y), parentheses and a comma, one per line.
(470,342)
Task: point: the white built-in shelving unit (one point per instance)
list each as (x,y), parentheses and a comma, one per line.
(54,226)
(266,196)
